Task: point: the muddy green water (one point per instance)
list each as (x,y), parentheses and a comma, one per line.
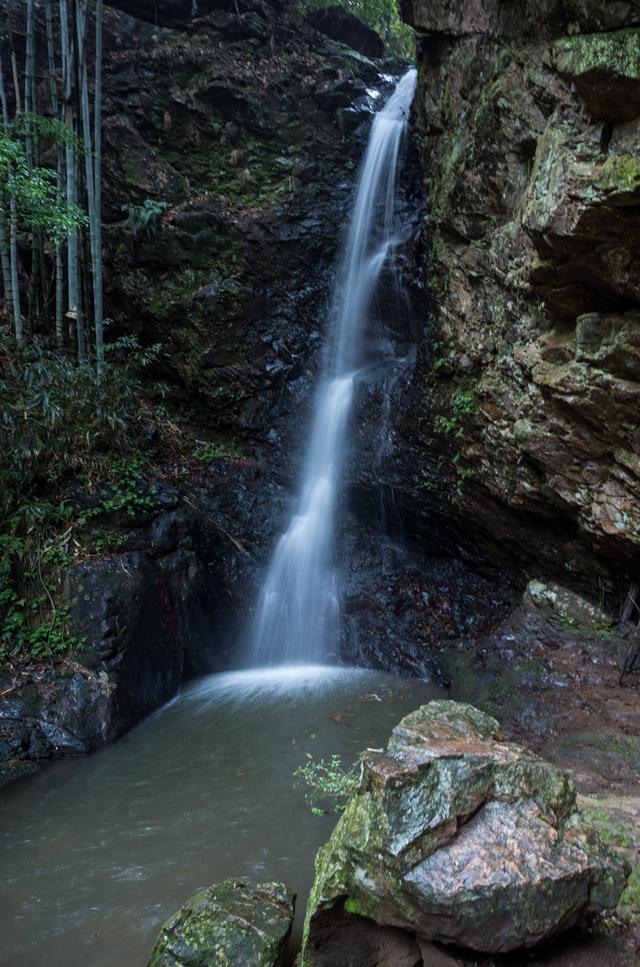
(97,852)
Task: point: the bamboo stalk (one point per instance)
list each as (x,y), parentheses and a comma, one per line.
(6,265)
(16,82)
(86,123)
(68,56)
(29,106)
(13,220)
(31,152)
(55,110)
(97,185)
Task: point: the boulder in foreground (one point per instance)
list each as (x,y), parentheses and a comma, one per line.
(457,835)
(237,922)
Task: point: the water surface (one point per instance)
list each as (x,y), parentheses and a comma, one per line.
(97,852)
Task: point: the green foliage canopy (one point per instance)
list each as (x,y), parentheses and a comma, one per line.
(34,190)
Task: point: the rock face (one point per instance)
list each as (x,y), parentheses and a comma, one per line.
(228,265)
(527,389)
(237,923)
(233,276)
(458,836)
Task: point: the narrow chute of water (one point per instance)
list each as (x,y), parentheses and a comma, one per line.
(298,609)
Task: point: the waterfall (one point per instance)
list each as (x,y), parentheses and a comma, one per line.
(298,609)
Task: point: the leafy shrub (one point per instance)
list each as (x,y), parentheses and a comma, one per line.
(33,191)
(58,419)
(327,779)
(30,622)
(125,492)
(58,423)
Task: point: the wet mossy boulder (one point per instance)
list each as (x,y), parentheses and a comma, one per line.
(237,922)
(459,836)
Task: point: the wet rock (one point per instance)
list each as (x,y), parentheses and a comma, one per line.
(237,923)
(332,95)
(460,836)
(62,710)
(133,614)
(350,118)
(338,23)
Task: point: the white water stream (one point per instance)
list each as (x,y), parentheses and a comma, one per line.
(298,610)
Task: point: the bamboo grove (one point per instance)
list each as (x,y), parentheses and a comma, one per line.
(50,173)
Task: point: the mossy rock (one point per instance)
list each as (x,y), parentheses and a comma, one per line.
(620,175)
(460,836)
(568,606)
(237,922)
(605,68)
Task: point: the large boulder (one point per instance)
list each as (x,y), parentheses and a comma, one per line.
(458,836)
(237,923)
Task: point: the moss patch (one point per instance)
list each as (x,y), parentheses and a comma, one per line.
(617,52)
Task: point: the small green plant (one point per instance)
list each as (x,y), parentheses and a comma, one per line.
(126,492)
(104,542)
(144,218)
(31,624)
(447,425)
(327,779)
(208,452)
(463,404)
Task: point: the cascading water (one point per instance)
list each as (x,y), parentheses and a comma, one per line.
(297,613)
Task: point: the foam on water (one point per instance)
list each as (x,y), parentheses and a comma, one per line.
(268,684)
